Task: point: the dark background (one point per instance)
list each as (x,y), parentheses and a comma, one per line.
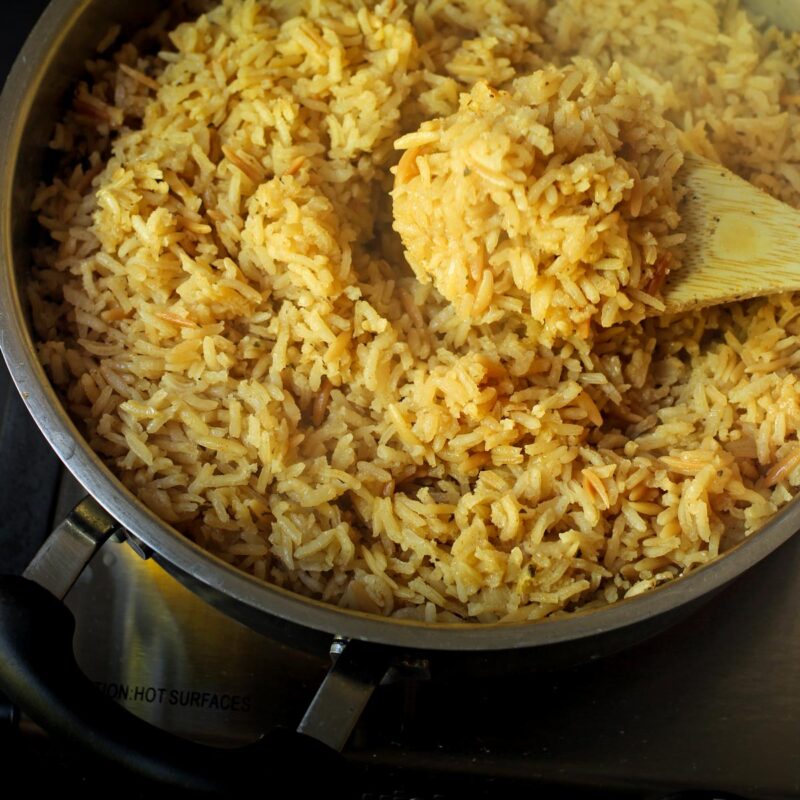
(28,468)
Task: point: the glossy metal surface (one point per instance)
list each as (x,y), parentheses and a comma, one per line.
(70,547)
(166,656)
(341,699)
(51,59)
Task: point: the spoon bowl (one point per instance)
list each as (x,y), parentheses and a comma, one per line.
(740,241)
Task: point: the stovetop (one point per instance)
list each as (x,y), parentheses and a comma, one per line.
(712,705)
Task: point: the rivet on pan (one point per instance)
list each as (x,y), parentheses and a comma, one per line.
(337,647)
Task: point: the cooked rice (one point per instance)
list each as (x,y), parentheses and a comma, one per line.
(554,199)
(229,315)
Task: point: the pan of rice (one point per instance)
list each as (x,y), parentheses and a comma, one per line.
(349,311)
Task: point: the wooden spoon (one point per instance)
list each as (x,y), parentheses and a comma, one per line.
(740,242)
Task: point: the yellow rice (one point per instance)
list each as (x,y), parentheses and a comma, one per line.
(229,315)
(554,199)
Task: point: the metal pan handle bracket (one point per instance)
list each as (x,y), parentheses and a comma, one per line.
(357,670)
(39,673)
(70,547)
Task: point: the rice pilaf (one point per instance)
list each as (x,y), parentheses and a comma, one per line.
(555,199)
(230,317)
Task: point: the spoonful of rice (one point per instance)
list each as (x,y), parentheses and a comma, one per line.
(568,199)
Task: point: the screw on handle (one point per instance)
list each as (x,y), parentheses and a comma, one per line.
(39,673)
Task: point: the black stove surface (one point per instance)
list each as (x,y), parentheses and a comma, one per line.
(712,706)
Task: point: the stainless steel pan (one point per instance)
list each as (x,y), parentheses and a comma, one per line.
(35,635)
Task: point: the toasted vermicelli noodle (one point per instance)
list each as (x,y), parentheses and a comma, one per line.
(229,315)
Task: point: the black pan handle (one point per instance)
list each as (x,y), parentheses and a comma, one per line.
(39,673)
